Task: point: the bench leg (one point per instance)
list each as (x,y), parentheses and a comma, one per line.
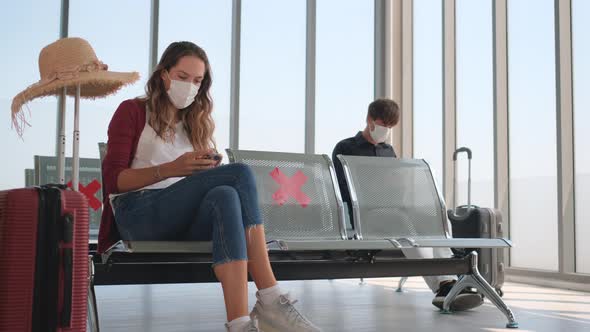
(477,281)
(400,285)
(92,308)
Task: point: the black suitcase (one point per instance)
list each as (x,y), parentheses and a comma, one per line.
(470,221)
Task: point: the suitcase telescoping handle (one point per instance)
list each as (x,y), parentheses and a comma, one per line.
(469,156)
(462,149)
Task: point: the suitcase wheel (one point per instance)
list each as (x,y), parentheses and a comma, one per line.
(500,292)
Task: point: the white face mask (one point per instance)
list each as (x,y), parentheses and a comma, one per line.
(379,133)
(182,94)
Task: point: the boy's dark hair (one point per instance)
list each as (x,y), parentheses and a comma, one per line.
(385,110)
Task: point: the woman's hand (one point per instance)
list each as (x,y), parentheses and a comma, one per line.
(213,155)
(187,164)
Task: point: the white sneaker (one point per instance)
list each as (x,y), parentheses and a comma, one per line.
(252,326)
(281,316)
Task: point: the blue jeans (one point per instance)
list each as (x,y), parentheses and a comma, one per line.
(216,205)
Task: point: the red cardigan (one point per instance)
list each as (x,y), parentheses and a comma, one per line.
(123,135)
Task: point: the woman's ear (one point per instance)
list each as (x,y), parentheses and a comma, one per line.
(165,76)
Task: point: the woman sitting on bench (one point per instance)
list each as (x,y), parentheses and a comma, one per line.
(162,177)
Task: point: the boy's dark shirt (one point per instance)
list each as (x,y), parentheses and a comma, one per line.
(356,146)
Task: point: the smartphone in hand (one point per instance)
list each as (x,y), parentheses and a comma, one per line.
(214,156)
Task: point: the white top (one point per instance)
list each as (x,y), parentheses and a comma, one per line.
(152,150)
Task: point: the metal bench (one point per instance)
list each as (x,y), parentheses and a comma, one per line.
(397,200)
(304,221)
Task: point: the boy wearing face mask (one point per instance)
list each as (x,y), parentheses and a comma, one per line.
(382,116)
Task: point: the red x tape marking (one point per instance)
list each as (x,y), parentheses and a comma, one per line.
(89,191)
(289,187)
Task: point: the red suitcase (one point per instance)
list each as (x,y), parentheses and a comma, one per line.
(43,260)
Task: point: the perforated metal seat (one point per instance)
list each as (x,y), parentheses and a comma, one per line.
(397,200)
(298,197)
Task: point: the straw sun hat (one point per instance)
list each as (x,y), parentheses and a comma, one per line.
(67,63)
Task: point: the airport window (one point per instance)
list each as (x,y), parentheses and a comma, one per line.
(272,76)
(207,24)
(123,44)
(428,80)
(581,76)
(344,70)
(475,104)
(30,26)
(532,134)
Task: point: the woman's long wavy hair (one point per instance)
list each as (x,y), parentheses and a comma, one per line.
(196,118)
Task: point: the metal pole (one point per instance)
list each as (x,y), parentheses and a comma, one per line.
(565,139)
(60,133)
(468,184)
(154,26)
(310,72)
(61,138)
(234,108)
(406,102)
(449,101)
(76,149)
(501,148)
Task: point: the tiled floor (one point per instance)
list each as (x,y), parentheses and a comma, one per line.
(342,305)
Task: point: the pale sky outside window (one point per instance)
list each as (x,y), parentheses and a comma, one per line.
(532,134)
(206,23)
(428,107)
(581,68)
(272,76)
(24,29)
(475,104)
(344,70)
(122,45)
